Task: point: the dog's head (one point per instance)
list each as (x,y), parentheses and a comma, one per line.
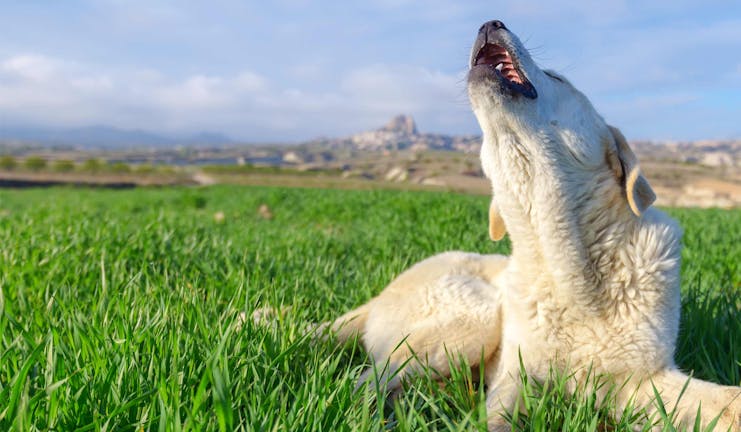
(543,139)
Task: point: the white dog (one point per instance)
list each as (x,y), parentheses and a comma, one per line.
(593,280)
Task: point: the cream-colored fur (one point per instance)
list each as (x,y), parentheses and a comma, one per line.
(593,279)
(594,275)
(446,304)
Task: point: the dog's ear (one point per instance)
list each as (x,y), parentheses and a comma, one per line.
(496,223)
(625,164)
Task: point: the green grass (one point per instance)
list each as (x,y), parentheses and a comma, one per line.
(266,170)
(117,309)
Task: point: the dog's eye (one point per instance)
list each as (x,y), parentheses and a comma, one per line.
(553,76)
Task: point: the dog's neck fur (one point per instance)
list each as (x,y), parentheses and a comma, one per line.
(580,220)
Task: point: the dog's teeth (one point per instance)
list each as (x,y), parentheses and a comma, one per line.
(499,66)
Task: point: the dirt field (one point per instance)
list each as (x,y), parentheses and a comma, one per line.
(676,184)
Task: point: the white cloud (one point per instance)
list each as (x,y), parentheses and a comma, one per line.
(198,92)
(300,68)
(405,87)
(36,89)
(30,67)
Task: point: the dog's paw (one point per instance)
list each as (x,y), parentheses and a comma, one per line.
(265,316)
(734,408)
(730,418)
(498,425)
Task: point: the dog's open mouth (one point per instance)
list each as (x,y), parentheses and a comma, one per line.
(505,67)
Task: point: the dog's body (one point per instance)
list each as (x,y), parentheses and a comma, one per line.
(446,304)
(593,280)
(592,285)
(490,308)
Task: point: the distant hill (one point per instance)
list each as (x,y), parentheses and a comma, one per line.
(105,137)
(401,133)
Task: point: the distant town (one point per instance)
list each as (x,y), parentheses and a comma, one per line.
(396,155)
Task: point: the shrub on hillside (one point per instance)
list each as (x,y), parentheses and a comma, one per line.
(92,165)
(8,163)
(145,169)
(63,165)
(35,163)
(120,168)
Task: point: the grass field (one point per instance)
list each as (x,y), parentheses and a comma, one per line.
(117,309)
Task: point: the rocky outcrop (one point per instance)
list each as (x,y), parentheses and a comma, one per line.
(401,133)
(403,124)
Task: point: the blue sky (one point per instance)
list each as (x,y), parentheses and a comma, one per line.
(298,69)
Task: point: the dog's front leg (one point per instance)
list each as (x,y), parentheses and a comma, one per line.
(501,399)
(684,398)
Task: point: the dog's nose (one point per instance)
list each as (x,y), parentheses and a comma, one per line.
(492,26)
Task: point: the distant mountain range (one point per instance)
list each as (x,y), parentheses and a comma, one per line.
(400,133)
(104,137)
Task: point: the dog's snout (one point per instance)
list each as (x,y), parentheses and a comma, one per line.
(492,26)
